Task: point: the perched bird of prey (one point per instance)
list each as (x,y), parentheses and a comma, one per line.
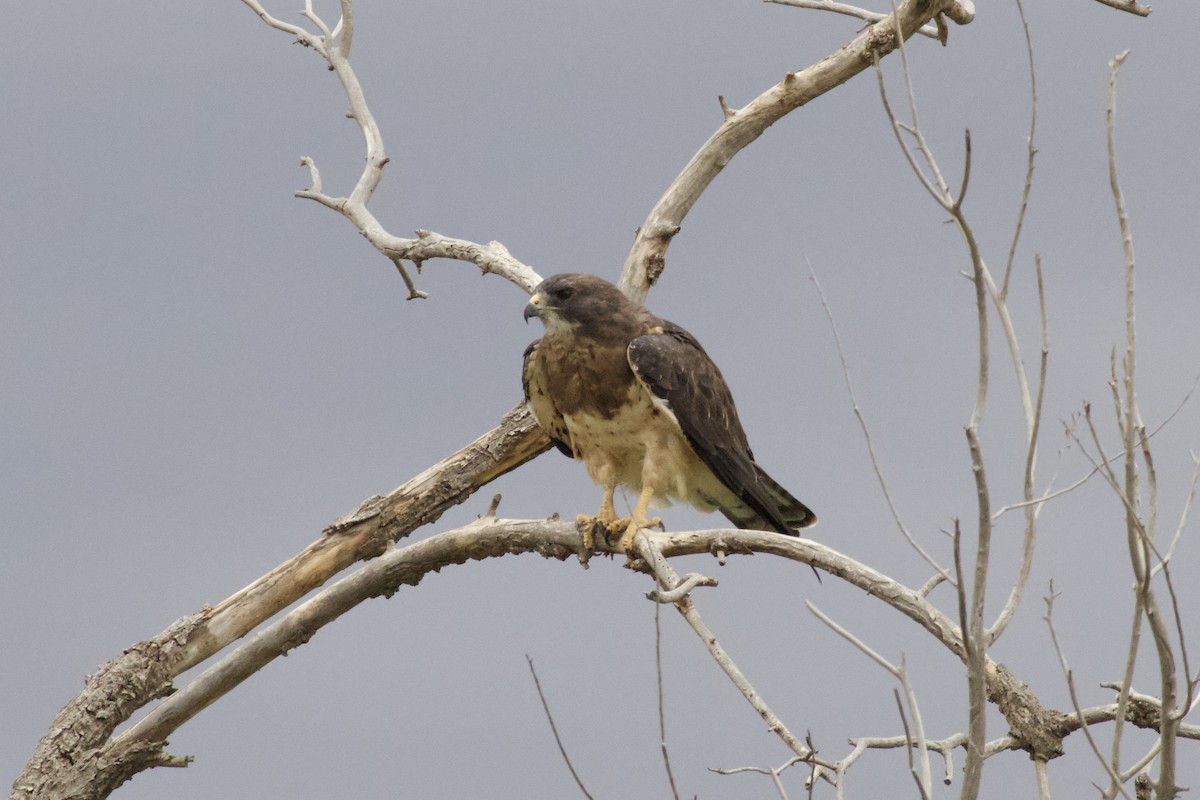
(639,402)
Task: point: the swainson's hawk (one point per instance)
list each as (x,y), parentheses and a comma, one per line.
(639,402)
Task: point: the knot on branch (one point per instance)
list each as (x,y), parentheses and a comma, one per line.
(881,40)
(1144,713)
(655,265)
(1038,729)
(367,509)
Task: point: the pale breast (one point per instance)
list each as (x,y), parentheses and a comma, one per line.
(642,444)
(585,395)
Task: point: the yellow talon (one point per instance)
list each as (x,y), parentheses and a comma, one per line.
(631,530)
(638,519)
(585,525)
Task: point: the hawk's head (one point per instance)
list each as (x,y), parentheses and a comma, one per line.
(576,302)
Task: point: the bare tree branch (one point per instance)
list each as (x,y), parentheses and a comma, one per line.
(669,580)
(900,673)
(1031,153)
(742,126)
(971,613)
(872,17)
(773,773)
(1183,515)
(1165,786)
(491,258)
(144,672)
(139,748)
(1131,6)
(923,786)
(1032,509)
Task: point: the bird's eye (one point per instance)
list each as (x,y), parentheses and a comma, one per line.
(563,293)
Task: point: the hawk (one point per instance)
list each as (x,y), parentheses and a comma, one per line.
(639,402)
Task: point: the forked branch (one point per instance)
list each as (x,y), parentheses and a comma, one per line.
(741,126)
(334,46)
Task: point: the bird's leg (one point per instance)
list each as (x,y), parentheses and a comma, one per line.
(638,520)
(607,513)
(605,517)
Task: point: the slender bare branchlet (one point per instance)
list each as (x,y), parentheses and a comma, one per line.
(554,729)
(662,713)
(907,707)
(942,572)
(872,17)
(1069,676)
(668,581)
(774,773)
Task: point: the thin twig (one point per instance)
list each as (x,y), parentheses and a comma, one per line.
(662,716)
(1031,152)
(1104,468)
(1062,660)
(915,130)
(668,580)
(413,292)
(303,36)
(1187,505)
(1006,615)
(897,126)
(850,11)
(1048,494)
(862,424)
(554,730)
(984,287)
(1034,419)
(925,778)
(956,209)
(773,773)
(863,647)
(922,785)
(1163,563)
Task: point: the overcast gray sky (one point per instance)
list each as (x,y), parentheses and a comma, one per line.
(198,372)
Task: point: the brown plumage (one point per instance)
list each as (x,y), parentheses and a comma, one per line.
(639,402)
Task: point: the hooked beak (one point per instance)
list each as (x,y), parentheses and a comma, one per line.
(534,307)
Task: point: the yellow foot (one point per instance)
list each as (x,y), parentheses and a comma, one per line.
(631,529)
(617,525)
(586,525)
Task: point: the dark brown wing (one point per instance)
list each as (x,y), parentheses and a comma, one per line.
(540,401)
(674,366)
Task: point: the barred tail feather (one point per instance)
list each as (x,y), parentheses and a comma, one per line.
(790,514)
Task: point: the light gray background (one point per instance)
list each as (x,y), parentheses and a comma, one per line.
(198,372)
